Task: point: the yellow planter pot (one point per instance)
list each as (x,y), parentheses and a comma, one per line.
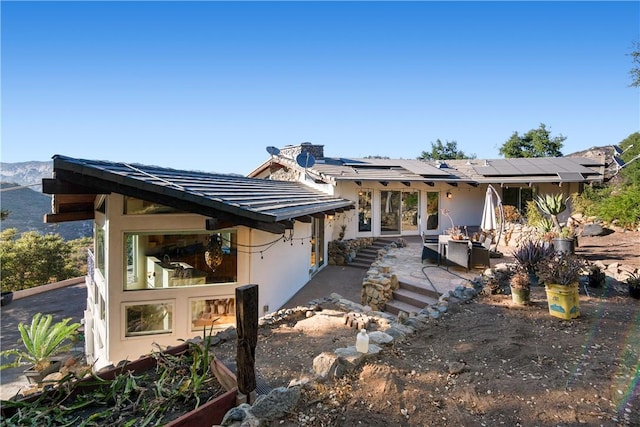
(564,301)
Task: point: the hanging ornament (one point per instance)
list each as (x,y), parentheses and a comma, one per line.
(213,253)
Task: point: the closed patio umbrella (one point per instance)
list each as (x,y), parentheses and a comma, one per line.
(489,221)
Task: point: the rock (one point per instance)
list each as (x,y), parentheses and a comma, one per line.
(456,367)
(276,404)
(379,337)
(330,365)
(233,415)
(592,230)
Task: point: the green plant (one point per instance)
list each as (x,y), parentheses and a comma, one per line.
(530,253)
(562,268)
(343,229)
(633,281)
(566,233)
(552,205)
(596,277)
(533,215)
(42,340)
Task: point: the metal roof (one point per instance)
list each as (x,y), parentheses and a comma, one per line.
(198,192)
(361,169)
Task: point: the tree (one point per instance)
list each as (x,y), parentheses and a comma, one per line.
(631,149)
(635,70)
(534,143)
(445,151)
(33,259)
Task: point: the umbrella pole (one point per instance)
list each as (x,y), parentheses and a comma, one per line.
(495,249)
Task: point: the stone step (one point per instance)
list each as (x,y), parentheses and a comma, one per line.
(365,257)
(394,307)
(413,298)
(418,287)
(359,264)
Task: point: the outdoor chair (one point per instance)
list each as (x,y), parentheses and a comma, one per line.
(429,247)
(480,255)
(459,253)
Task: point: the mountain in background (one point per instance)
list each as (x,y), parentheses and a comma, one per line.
(21,195)
(26,213)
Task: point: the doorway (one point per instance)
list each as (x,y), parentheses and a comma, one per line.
(433,213)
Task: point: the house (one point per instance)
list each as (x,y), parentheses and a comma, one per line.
(171,246)
(399,197)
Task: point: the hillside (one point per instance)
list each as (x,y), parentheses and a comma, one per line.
(26,211)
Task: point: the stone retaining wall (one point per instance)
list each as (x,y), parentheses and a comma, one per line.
(379,283)
(343,252)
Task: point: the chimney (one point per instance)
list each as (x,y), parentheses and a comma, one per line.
(291,151)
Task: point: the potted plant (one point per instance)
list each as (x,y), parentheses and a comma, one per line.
(633,284)
(553,205)
(561,274)
(520,290)
(42,340)
(596,277)
(528,255)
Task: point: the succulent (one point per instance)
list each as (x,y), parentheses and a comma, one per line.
(552,205)
(561,269)
(530,253)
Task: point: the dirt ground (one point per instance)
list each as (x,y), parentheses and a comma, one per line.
(484,363)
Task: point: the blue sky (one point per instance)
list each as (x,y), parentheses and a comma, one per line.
(208,85)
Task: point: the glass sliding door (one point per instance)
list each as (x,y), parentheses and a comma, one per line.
(364,210)
(317,244)
(409,212)
(433,202)
(390,204)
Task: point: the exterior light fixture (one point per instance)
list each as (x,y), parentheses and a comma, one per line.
(449,195)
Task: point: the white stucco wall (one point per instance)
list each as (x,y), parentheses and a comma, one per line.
(282,269)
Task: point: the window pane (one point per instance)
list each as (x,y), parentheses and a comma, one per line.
(389,212)
(364,210)
(133,206)
(219,313)
(432,210)
(100,250)
(160,261)
(409,210)
(149,319)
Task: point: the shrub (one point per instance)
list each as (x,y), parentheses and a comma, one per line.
(511,213)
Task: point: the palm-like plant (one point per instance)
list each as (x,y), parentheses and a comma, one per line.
(42,340)
(552,205)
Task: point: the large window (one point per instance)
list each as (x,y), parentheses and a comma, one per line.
(364,210)
(160,261)
(518,197)
(148,319)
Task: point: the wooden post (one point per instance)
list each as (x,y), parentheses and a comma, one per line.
(247,330)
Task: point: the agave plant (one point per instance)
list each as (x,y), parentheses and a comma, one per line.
(42,340)
(530,253)
(552,205)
